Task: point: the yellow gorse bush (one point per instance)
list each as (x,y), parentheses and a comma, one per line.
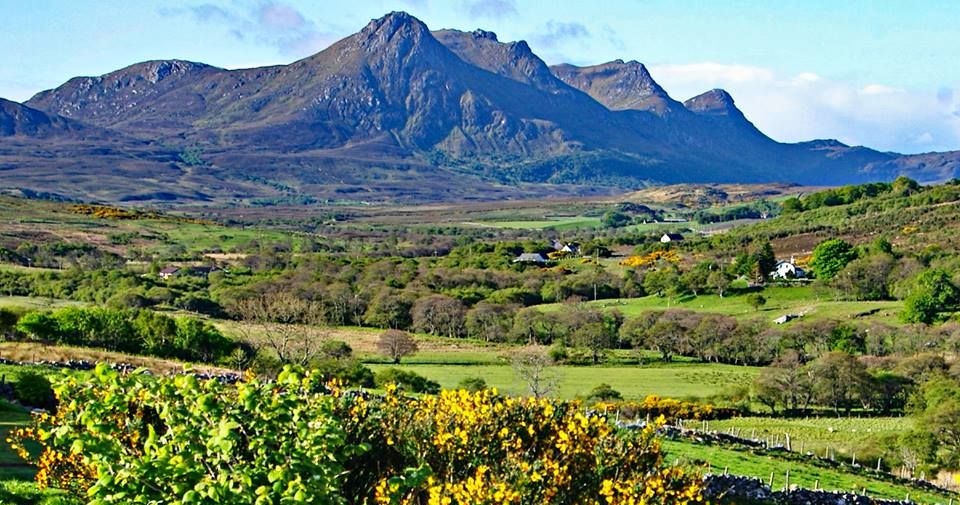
(653,258)
(483,448)
(141,439)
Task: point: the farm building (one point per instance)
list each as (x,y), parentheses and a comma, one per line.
(530,258)
(671,237)
(787,270)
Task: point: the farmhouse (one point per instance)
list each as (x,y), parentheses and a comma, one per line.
(530,258)
(168,272)
(671,237)
(786,318)
(787,270)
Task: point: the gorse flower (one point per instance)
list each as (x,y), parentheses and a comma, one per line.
(134,438)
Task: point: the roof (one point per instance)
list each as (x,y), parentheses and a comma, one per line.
(533,257)
(170,270)
(673,236)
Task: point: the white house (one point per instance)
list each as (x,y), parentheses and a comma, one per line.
(671,237)
(787,270)
(168,272)
(530,258)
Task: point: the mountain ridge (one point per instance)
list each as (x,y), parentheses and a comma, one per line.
(380,111)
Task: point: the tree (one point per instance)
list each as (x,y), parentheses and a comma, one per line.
(785,383)
(756,300)
(830,257)
(491,322)
(671,332)
(933,292)
(865,278)
(593,329)
(698,278)
(937,421)
(336,349)
(287,325)
(534,367)
(396,344)
(8,322)
(838,380)
(439,315)
(719,280)
(39,326)
(534,327)
(389,309)
(792,206)
(765,261)
(904,186)
(615,219)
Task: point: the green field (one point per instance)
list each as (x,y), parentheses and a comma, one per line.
(780,301)
(844,436)
(715,459)
(33,303)
(676,380)
(559,223)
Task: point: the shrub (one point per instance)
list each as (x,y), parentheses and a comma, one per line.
(396,344)
(412,381)
(472,384)
(558,353)
(34,389)
(336,349)
(349,371)
(457,447)
(603,392)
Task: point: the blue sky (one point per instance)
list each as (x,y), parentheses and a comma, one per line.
(878,73)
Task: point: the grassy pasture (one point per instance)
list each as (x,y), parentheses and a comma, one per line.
(780,300)
(844,435)
(34,303)
(677,380)
(806,475)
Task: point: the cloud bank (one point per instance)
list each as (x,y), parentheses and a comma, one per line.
(806,106)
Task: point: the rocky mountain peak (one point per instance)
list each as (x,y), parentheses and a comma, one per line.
(394,24)
(619,85)
(514,60)
(484,34)
(715,102)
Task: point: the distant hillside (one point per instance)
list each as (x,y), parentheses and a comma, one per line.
(397,112)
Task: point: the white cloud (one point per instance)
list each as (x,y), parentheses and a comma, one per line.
(271,22)
(806,106)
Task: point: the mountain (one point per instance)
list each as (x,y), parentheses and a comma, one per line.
(398,112)
(619,86)
(20,120)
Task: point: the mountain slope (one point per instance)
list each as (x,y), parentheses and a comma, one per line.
(20,120)
(619,86)
(398,112)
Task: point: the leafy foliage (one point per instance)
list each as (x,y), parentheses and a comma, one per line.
(140,439)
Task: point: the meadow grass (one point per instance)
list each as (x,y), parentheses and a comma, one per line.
(844,436)
(803,474)
(780,300)
(675,380)
(559,223)
(36,303)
